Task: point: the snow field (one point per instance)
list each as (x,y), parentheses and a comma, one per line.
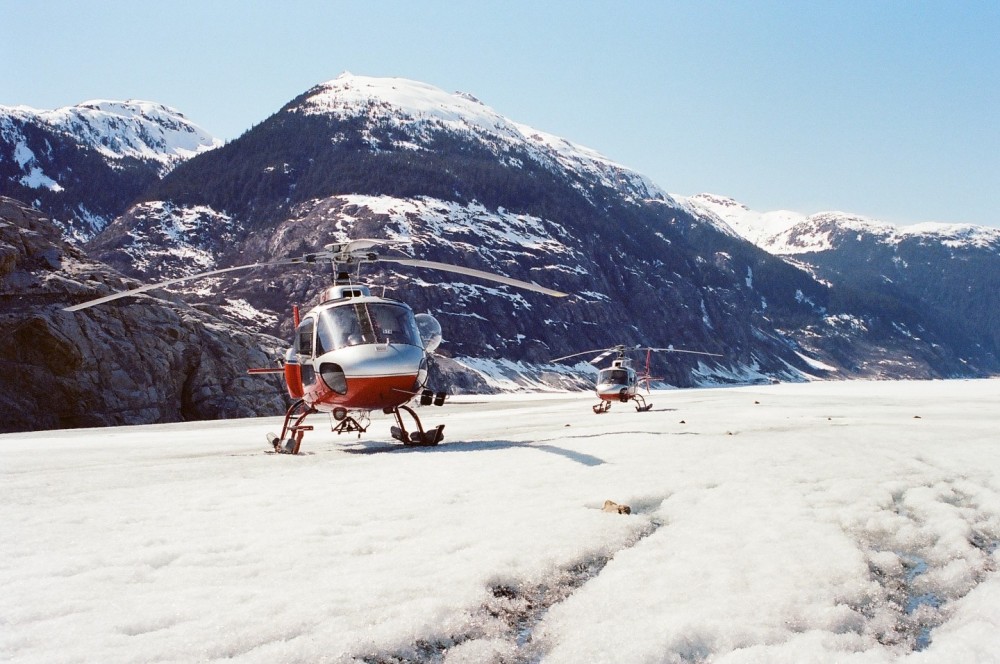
(848,522)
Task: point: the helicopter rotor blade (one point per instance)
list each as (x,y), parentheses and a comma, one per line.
(605,352)
(585,352)
(347,252)
(489,276)
(678,350)
(142,289)
(603,355)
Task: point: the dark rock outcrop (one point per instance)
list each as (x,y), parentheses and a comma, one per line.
(140,360)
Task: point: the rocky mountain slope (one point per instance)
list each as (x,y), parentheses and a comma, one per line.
(82,165)
(147,361)
(946,275)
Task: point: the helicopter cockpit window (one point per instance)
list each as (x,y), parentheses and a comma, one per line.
(365,323)
(304,337)
(336,328)
(395,324)
(617,376)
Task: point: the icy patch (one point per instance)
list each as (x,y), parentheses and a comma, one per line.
(594,296)
(704,315)
(36,179)
(23,155)
(801,298)
(926,546)
(814,363)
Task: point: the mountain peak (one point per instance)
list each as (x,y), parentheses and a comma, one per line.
(721,202)
(421,110)
(350,95)
(757,227)
(59,158)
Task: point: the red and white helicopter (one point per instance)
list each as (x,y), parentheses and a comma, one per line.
(620,381)
(354,352)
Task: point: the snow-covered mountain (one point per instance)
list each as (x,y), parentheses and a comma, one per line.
(82,164)
(787,233)
(141,130)
(947,273)
(400,160)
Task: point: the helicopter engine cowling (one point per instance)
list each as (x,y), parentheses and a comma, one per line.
(430,331)
(293,374)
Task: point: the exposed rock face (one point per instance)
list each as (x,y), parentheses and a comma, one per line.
(139,361)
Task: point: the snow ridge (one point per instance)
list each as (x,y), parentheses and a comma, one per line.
(118,129)
(783,232)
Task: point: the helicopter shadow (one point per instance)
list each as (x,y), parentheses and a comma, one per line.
(477,446)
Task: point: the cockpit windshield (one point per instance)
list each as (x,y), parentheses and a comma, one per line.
(616,376)
(365,323)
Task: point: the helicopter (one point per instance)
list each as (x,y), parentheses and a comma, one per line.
(354,352)
(621,381)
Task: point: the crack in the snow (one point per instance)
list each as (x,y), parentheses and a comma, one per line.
(505,623)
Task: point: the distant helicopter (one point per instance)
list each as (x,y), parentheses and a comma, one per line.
(620,381)
(354,352)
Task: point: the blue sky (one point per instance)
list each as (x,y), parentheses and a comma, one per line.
(885,109)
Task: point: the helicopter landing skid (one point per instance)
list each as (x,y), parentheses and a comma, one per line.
(602,407)
(640,404)
(416,438)
(292,432)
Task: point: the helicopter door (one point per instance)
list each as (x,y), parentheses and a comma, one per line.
(304,348)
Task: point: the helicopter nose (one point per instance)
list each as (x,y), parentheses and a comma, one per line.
(370,360)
